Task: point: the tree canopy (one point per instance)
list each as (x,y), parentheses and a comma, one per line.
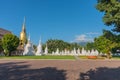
(104,45)
(9,43)
(53,44)
(1,49)
(111,9)
(90,46)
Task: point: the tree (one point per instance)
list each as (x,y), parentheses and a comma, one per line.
(74,45)
(111,9)
(62,45)
(54,44)
(35,47)
(90,46)
(114,38)
(9,43)
(110,35)
(104,45)
(1,49)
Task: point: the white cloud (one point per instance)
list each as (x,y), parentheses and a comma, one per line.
(80,37)
(92,33)
(87,37)
(83,38)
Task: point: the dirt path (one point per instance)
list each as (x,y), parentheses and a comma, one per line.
(59,69)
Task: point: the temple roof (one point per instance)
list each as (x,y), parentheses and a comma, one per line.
(3,32)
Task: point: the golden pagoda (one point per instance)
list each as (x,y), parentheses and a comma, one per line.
(23,37)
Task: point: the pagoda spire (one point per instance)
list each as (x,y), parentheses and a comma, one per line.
(23,37)
(40,41)
(23,27)
(24,20)
(29,38)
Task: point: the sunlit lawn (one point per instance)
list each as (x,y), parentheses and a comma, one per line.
(38,57)
(51,57)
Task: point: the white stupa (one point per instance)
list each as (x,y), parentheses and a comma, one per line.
(29,50)
(46,50)
(96,52)
(65,52)
(92,52)
(74,51)
(39,49)
(57,52)
(83,51)
(78,51)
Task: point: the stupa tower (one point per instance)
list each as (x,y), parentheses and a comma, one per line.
(23,37)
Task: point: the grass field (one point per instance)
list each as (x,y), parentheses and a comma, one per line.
(116,57)
(38,57)
(82,57)
(50,57)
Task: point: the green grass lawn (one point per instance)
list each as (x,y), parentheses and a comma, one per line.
(116,57)
(82,57)
(50,57)
(38,57)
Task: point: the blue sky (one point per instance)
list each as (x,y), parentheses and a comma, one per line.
(69,20)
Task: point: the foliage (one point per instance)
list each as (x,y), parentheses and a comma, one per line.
(54,44)
(104,45)
(114,38)
(9,43)
(1,49)
(35,47)
(111,9)
(110,35)
(74,45)
(90,46)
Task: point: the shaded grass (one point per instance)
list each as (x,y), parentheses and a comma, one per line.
(37,57)
(116,57)
(83,57)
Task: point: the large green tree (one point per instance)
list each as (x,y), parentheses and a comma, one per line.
(111,9)
(104,45)
(9,43)
(1,49)
(90,46)
(53,44)
(110,35)
(74,45)
(114,38)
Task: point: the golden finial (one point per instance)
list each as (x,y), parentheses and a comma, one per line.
(23,37)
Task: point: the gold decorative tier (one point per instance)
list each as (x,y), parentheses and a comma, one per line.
(23,37)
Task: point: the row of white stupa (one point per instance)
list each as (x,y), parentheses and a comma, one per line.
(29,50)
(76,52)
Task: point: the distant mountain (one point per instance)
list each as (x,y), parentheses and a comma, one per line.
(82,43)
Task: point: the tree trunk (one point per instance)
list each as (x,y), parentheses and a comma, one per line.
(109,55)
(9,53)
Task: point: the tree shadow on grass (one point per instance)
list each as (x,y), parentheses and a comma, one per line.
(101,73)
(20,71)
